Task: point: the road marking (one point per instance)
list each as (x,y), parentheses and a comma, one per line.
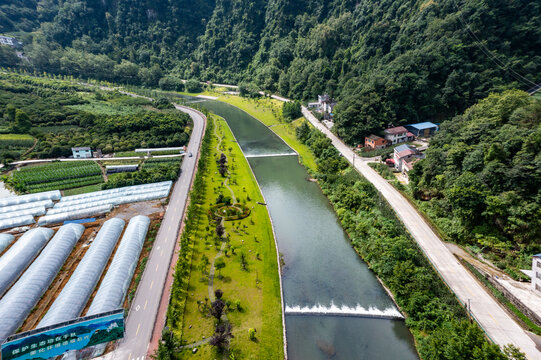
(157,266)
(137,308)
(137,331)
(129,357)
(152,283)
(161,254)
(145,307)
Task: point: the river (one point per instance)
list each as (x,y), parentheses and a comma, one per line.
(321,272)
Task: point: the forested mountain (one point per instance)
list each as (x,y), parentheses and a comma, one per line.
(482,177)
(387,61)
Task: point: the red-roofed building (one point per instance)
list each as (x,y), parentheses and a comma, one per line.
(373,142)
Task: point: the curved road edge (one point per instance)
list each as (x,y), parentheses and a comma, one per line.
(146,316)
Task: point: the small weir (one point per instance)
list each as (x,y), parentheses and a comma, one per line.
(319,267)
(356,311)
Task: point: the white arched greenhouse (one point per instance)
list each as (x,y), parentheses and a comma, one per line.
(34,211)
(5,241)
(21,254)
(73,215)
(16,222)
(116,282)
(30,198)
(73,298)
(25,294)
(16,208)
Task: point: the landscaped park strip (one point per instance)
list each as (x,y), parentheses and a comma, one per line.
(253,294)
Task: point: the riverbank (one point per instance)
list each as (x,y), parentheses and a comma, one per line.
(249,277)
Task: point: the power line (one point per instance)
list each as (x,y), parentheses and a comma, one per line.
(489,53)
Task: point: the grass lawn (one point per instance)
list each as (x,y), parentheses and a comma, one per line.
(82,190)
(269,112)
(257,288)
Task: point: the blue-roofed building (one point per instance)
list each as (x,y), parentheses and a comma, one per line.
(536,273)
(424,129)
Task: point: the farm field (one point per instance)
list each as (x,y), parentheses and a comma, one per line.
(55,176)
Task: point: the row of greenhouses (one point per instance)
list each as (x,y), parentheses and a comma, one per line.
(25,294)
(22,289)
(18,211)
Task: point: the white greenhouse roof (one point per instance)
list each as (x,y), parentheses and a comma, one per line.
(74,296)
(25,294)
(23,199)
(16,222)
(21,254)
(5,241)
(116,282)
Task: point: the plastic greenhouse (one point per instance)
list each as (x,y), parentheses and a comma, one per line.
(11,208)
(24,295)
(23,199)
(37,211)
(116,282)
(5,241)
(67,209)
(15,222)
(133,192)
(73,298)
(21,254)
(72,215)
(126,189)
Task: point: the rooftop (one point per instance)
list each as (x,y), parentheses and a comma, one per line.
(402,148)
(84,148)
(375,137)
(396,130)
(423,125)
(407,152)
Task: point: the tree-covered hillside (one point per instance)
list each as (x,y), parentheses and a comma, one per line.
(388,61)
(481,178)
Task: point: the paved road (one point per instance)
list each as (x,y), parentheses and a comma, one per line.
(144,309)
(96,159)
(497,323)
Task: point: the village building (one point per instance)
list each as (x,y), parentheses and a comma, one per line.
(374,142)
(10,41)
(405,157)
(81,152)
(397,135)
(536,273)
(424,129)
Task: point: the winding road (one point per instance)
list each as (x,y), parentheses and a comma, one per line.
(495,321)
(147,311)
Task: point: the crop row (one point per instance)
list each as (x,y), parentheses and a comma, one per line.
(65,184)
(56,172)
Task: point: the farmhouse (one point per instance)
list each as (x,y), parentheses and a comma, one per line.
(81,152)
(373,142)
(398,135)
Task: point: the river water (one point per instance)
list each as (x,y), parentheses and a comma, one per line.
(321,272)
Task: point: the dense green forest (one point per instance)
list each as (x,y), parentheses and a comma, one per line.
(61,115)
(389,61)
(481,179)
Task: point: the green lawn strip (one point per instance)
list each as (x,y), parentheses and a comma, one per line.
(260,303)
(268,111)
(82,190)
(526,322)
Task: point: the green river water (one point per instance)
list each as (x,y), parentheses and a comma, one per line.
(328,289)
